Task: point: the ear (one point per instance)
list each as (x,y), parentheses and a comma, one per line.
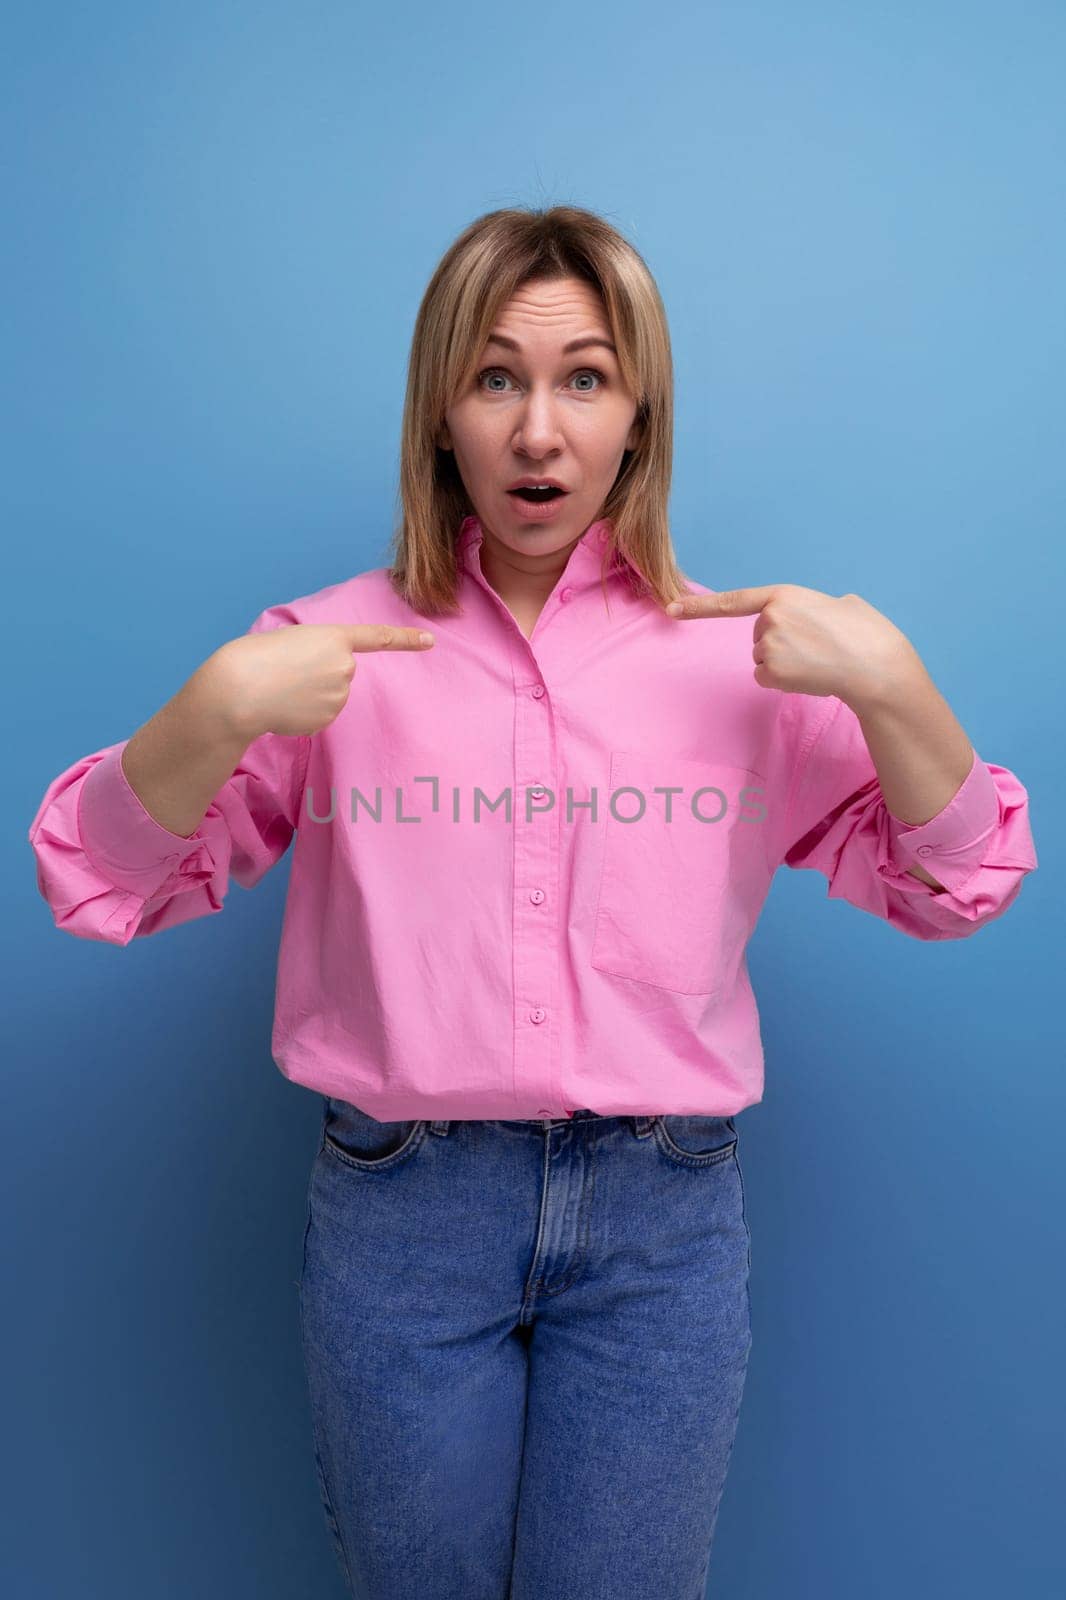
(444,438)
(636,433)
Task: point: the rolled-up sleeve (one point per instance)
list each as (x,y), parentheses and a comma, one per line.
(979,846)
(109,871)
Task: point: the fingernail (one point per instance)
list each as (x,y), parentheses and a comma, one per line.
(425,638)
(674,609)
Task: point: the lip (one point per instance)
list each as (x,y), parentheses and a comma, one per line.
(532,511)
(531,482)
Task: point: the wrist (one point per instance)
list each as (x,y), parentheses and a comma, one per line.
(892,687)
(221,705)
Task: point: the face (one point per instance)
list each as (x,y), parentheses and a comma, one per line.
(536,409)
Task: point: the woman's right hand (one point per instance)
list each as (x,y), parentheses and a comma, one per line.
(295,679)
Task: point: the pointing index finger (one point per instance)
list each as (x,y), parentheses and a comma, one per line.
(365,636)
(726,603)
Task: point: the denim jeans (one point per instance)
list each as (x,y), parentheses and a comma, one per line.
(525,1345)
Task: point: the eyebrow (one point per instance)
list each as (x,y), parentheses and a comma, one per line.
(575,344)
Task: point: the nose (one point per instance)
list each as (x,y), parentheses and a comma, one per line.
(539,431)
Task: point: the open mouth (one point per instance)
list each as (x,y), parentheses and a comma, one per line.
(535,496)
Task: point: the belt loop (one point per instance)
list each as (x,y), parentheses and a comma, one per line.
(443,1127)
(642,1126)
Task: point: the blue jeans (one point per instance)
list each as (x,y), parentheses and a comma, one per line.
(526,1345)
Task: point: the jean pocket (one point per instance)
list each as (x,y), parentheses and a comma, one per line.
(679,883)
(360,1140)
(696,1141)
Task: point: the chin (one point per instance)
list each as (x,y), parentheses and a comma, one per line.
(520,535)
(544,541)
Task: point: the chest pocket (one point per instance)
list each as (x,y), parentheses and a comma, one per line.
(675,897)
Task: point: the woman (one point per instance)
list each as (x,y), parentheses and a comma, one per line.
(513,955)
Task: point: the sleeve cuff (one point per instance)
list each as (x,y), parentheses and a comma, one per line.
(952,845)
(125,843)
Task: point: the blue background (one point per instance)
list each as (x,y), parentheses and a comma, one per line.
(219,224)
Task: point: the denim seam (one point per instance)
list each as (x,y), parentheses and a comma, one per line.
(320,1471)
(331,1515)
(535,1287)
(410,1144)
(747,1231)
(307,1204)
(581,1251)
(686,1157)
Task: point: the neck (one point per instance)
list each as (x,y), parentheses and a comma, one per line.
(522,582)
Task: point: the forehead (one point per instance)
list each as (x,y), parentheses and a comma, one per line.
(586,341)
(564,313)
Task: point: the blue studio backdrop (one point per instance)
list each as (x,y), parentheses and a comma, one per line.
(220,221)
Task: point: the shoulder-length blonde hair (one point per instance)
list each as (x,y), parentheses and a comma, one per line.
(489,261)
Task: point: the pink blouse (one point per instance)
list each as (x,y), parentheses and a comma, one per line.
(526,870)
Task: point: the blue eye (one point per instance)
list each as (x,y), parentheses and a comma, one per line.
(581,372)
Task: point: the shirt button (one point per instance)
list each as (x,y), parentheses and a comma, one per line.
(564,594)
(542,1111)
(537,1014)
(537,788)
(925,849)
(538,690)
(536,895)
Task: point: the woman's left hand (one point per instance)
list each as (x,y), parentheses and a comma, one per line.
(813,643)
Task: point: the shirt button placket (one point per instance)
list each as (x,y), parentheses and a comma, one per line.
(535,909)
